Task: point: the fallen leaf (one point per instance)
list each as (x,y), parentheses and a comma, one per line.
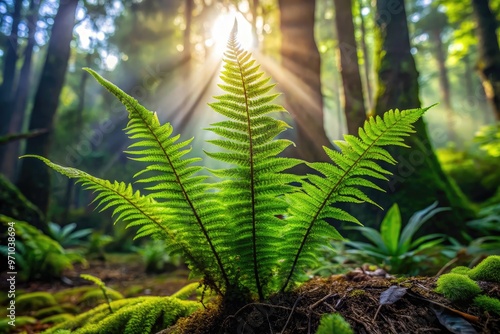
(455,324)
(392,295)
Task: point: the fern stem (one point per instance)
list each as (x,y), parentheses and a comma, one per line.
(252,182)
(323,204)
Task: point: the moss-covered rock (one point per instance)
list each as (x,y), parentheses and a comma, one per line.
(487,270)
(457,287)
(462,270)
(488,304)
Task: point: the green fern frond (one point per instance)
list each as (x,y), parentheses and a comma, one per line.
(171,180)
(358,158)
(253,189)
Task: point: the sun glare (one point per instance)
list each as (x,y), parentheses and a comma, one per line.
(222,27)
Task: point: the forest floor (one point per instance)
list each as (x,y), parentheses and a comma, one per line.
(356,295)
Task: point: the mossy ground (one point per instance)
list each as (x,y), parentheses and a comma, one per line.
(300,311)
(355,297)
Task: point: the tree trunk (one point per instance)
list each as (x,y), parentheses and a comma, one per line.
(366,57)
(9,70)
(354,105)
(301,59)
(9,157)
(418,179)
(444,82)
(34,179)
(489,53)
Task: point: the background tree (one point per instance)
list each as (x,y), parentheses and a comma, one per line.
(353,101)
(34,180)
(418,171)
(489,53)
(300,57)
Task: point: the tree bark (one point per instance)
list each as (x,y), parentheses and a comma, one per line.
(9,157)
(34,179)
(354,105)
(418,179)
(9,69)
(489,53)
(301,59)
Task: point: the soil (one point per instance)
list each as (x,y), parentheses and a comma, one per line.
(355,296)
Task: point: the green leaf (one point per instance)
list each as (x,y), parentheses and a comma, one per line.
(390,229)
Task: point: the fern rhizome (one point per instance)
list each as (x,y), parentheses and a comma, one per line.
(229,232)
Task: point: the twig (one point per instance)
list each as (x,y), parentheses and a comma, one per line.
(290,316)
(322,300)
(446,266)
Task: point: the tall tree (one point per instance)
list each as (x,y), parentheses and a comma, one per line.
(34,179)
(489,52)
(418,172)
(366,56)
(9,68)
(8,157)
(434,24)
(300,57)
(354,105)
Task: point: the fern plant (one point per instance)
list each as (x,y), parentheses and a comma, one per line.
(229,231)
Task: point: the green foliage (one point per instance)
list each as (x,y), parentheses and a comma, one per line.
(156,257)
(488,304)
(186,291)
(487,243)
(138,315)
(67,236)
(394,247)
(487,270)
(34,301)
(457,287)
(57,318)
(37,255)
(229,231)
(333,323)
(488,138)
(107,293)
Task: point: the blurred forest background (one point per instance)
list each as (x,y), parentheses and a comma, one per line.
(336,61)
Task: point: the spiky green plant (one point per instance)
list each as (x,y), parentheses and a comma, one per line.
(232,236)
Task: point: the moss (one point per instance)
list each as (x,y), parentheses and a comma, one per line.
(34,301)
(457,287)
(487,270)
(139,315)
(333,324)
(462,270)
(48,311)
(96,296)
(488,304)
(58,318)
(356,293)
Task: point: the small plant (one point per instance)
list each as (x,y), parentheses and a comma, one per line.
(333,323)
(395,247)
(37,255)
(457,287)
(156,257)
(106,292)
(67,236)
